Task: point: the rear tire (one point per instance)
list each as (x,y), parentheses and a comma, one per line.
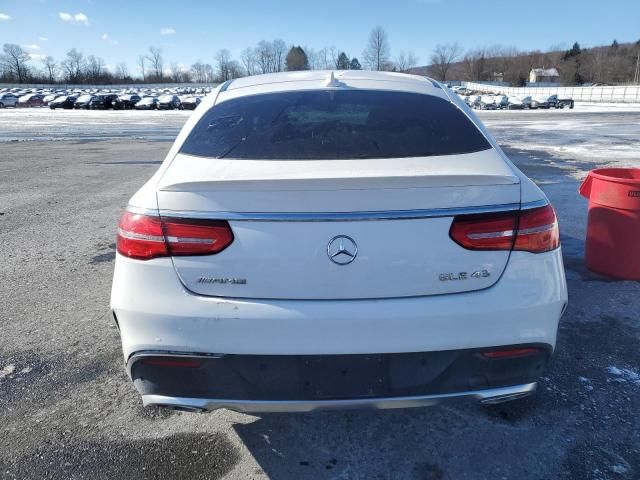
(1,105)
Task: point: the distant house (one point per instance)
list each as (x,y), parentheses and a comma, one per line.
(496,77)
(544,75)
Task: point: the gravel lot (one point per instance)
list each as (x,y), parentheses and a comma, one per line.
(68,411)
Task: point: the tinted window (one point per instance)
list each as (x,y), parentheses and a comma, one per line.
(329,124)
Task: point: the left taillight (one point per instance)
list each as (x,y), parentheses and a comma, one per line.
(144,237)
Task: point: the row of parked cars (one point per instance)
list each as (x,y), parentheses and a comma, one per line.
(493,101)
(144,99)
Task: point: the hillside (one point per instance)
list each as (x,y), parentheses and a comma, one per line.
(615,64)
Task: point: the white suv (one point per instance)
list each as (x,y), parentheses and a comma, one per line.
(319,241)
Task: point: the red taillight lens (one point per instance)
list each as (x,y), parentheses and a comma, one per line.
(196,237)
(140,237)
(494,231)
(144,237)
(534,230)
(538,230)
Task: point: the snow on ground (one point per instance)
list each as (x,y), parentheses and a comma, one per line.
(602,134)
(38,124)
(624,374)
(583,139)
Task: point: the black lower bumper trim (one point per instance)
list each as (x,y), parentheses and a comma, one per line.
(332,377)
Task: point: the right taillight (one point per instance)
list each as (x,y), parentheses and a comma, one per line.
(144,237)
(538,230)
(534,230)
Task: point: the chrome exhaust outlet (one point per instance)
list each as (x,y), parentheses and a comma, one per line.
(182,408)
(504,398)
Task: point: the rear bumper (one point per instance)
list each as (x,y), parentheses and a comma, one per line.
(156,313)
(488,396)
(309,382)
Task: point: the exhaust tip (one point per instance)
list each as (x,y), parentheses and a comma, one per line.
(505,398)
(183,408)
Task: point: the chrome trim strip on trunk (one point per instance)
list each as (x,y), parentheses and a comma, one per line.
(487,396)
(338,216)
(535,204)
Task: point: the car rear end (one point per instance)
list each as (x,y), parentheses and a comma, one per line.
(361,244)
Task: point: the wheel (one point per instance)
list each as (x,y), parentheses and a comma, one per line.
(1,105)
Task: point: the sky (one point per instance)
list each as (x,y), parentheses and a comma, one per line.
(190,30)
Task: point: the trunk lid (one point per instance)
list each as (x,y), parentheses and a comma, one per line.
(284,215)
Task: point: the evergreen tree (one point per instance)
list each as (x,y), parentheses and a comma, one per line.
(355,64)
(297,59)
(574,52)
(342,63)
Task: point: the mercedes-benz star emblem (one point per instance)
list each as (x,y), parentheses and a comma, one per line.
(342,250)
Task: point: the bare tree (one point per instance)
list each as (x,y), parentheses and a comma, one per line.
(73,65)
(156,62)
(264,56)
(223,64)
(376,55)
(323,59)
(405,61)
(198,72)
(51,68)
(279,53)
(475,64)
(95,68)
(14,61)
(176,72)
(142,65)
(334,53)
(122,71)
(442,58)
(248,58)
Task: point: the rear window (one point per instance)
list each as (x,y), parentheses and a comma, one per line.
(330,124)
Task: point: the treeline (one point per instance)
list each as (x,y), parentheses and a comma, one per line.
(616,64)
(613,64)
(17,66)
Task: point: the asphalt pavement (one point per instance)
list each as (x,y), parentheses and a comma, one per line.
(68,410)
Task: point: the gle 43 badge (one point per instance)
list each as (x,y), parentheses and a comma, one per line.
(445,277)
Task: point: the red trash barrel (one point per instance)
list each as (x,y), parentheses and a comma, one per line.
(613,226)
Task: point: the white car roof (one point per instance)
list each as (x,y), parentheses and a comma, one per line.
(314,80)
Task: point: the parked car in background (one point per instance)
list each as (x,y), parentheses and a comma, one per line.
(337,292)
(169,102)
(31,100)
(8,99)
(64,101)
(486,103)
(190,103)
(147,103)
(472,100)
(558,101)
(502,101)
(514,103)
(103,102)
(126,102)
(540,102)
(526,101)
(48,98)
(83,102)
